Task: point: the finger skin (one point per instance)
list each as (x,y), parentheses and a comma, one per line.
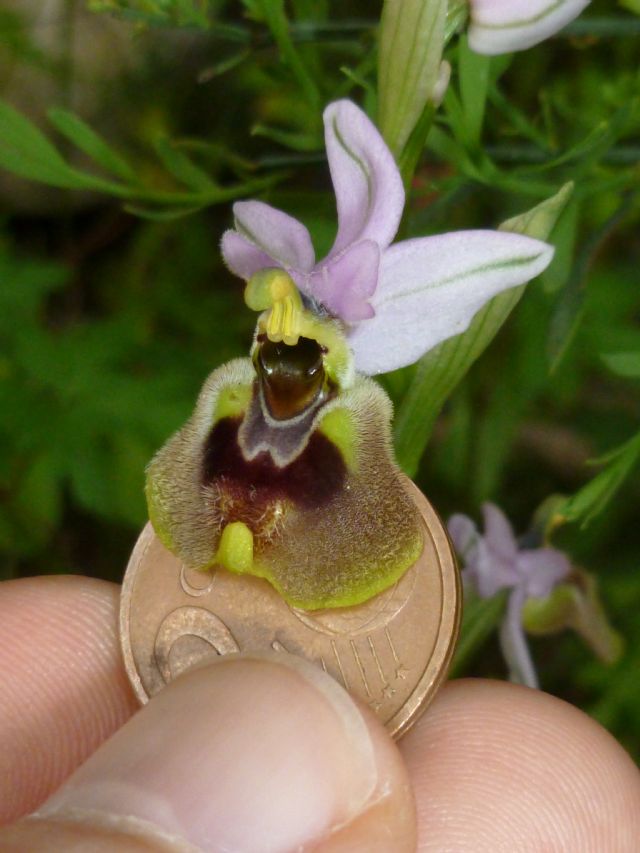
(250,754)
(64,688)
(40,836)
(497,767)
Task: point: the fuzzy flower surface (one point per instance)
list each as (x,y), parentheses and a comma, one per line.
(395,301)
(501,26)
(494,562)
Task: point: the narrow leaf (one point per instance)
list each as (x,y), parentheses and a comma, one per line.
(589,502)
(181,166)
(569,307)
(25,151)
(159,215)
(480,618)
(625,364)
(474,85)
(276,18)
(86,139)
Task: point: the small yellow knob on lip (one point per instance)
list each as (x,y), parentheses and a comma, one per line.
(235,550)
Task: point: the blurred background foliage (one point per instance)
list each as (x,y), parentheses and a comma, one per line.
(114,303)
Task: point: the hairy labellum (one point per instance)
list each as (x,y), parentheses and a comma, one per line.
(285,471)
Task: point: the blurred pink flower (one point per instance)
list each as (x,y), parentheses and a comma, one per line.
(494,562)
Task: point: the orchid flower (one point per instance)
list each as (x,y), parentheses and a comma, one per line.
(396,301)
(493,562)
(285,470)
(500,26)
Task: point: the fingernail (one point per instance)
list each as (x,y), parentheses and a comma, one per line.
(247,753)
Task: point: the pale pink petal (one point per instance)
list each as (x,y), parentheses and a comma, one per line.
(277,234)
(366,180)
(346,282)
(490,571)
(499,533)
(242,257)
(541,569)
(514,644)
(485,569)
(430,288)
(500,26)
(464,534)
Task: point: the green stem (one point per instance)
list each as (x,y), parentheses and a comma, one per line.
(281,29)
(531,155)
(201,199)
(480,618)
(604,27)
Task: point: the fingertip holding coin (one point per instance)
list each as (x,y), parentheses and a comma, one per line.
(391,652)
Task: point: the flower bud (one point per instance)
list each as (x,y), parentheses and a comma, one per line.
(575,604)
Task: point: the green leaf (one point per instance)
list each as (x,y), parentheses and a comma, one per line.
(25,151)
(625,364)
(569,307)
(480,618)
(474,84)
(457,14)
(587,503)
(415,145)
(438,372)
(86,139)
(539,222)
(182,13)
(39,495)
(295,141)
(181,166)
(557,274)
(411,42)
(158,215)
(273,12)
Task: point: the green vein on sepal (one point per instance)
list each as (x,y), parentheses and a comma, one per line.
(439,371)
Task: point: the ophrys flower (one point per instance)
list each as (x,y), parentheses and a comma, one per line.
(285,470)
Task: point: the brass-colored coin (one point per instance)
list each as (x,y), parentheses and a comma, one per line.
(392,652)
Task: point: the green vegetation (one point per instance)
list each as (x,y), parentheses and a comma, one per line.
(115,305)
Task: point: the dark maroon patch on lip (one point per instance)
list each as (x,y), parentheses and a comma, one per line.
(309,481)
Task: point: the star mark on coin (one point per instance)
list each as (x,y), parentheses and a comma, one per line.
(401,672)
(388,691)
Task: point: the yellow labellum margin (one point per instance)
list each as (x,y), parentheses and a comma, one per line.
(312,503)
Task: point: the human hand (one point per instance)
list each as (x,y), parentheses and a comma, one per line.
(252,754)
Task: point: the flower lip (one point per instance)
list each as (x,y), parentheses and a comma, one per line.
(396,301)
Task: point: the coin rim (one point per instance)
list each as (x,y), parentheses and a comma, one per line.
(437,666)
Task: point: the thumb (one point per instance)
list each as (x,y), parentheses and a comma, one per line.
(244,754)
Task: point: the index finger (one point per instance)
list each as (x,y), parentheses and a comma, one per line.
(64,685)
